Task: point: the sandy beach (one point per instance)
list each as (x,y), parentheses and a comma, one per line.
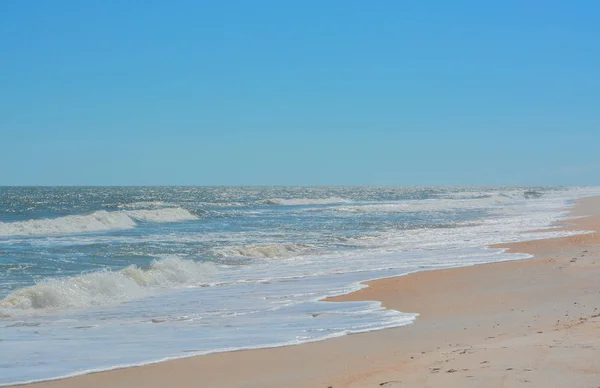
(530,323)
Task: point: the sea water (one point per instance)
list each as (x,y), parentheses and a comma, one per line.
(101,278)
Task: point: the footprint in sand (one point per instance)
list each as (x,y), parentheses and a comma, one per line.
(390,383)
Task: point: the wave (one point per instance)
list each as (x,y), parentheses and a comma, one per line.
(98,221)
(427,205)
(222,204)
(176,214)
(532,194)
(466,195)
(109,287)
(146,205)
(304,201)
(262,251)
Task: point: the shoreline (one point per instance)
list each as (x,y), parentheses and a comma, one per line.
(453,317)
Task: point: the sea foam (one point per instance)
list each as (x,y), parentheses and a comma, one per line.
(98,221)
(304,201)
(263,251)
(109,287)
(426,205)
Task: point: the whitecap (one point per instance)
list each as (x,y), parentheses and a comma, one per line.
(98,221)
(109,287)
(304,201)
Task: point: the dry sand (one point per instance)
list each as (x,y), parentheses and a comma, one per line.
(527,323)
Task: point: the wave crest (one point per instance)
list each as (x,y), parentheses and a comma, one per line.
(108,287)
(175,214)
(146,205)
(426,205)
(304,201)
(262,251)
(98,221)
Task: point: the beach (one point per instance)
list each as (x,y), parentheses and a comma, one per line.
(531,322)
(261,195)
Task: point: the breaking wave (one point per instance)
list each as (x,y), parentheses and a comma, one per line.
(162,215)
(146,205)
(265,251)
(108,287)
(427,205)
(304,201)
(98,221)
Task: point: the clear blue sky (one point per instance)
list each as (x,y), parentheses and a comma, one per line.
(307,92)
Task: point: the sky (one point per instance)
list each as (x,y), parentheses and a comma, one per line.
(269,92)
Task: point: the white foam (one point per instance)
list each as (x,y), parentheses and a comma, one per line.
(262,251)
(146,205)
(304,201)
(162,215)
(98,221)
(108,287)
(428,205)
(94,222)
(202,342)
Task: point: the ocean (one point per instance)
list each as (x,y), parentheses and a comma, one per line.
(97,278)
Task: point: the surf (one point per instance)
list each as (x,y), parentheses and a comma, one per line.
(108,287)
(98,221)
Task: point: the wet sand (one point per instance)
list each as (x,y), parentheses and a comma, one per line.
(525,323)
